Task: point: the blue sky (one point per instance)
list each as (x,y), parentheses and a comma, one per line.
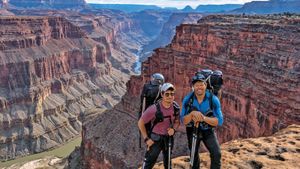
(171,3)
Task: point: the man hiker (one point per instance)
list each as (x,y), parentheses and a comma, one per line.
(164,116)
(201,112)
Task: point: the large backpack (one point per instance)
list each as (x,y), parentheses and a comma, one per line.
(150,95)
(214,81)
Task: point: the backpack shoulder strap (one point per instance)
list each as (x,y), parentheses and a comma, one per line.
(189,104)
(158,116)
(211,101)
(176,108)
(211,104)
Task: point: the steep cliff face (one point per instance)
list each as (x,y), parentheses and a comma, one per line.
(119,30)
(52,77)
(259,57)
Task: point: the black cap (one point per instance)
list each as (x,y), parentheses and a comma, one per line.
(198,77)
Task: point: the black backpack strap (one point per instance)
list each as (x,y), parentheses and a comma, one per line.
(158,116)
(211,104)
(189,104)
(211,101)
(176,108)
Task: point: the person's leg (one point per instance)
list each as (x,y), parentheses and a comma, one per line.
(211,143)
(151,156)
(166,156)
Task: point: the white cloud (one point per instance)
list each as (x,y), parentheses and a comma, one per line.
(171,3)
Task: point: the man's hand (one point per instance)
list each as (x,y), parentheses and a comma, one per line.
(171,131)
(149,143)
(197,116)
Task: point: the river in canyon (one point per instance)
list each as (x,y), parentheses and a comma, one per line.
(60,152)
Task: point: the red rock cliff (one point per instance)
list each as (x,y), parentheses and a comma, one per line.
(52,77)
(259,57)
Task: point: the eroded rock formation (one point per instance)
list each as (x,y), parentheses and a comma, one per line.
(259,56)
(52,77)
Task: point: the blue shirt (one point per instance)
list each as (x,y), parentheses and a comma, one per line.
(203,107)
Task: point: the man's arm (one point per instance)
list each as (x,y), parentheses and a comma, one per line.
(213,121)
(218,119)
(184,117)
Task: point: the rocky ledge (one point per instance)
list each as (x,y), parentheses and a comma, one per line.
(278,151)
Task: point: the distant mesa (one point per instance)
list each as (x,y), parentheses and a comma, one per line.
(269,7)
(125,7)
(188,8)
(57,4)
(217,8)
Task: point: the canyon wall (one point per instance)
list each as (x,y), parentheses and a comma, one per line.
(53,77)
(259,56)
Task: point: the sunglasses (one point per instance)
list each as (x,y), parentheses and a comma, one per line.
(169,94)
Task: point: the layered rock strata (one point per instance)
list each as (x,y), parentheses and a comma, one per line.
(259,56)
(52,77)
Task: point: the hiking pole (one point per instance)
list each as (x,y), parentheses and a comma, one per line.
(170,147)
(169,153)
(143,109)
(195,132)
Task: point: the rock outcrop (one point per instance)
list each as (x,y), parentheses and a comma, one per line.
(278,151)
(259,56)
(52,77)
